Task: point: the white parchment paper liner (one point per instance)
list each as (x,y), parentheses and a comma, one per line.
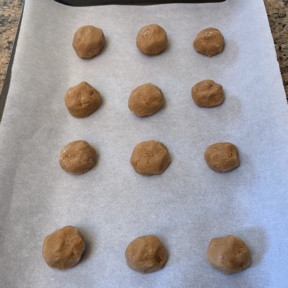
(111,205)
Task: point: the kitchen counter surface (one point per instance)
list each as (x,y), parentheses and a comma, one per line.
(277,10)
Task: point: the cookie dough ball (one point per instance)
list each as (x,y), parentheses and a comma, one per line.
(152,39)
(63,248)
(150,158)
(88,41)
(209,42)
(207,93)
(146,100)
(146,254)
(222,157)
(82,100)
(77,157)
(228,254)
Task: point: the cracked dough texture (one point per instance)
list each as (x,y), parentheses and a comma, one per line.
(207,93)
(82,100)
(77,157)
(150,158)
(88,41)
(152,39)
(228,254)
(222,157)
(146,254)
(146,100)
(209,42)
(63,248)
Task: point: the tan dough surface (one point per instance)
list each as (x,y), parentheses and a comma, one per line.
(146,254)
(228,254)
(63,248)
(209,42)
(152,39)
(88,41)
(82,100)
(77,157)
(150,158)
(146,100)
(207,93)
(222,157)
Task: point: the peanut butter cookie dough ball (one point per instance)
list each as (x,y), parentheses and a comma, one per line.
(63,248)
(146,254)
(209,42)
(152,39)
(207,93)
(228,254)
(222,157)
(88,41)
(146,100)
(82,100)
(150,158)
(77,157)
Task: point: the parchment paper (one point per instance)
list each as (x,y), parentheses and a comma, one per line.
(111,205)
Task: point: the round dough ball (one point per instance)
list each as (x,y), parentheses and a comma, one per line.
(88,41)
(150,158)
(222,157)
(63,248)
(82,100)
(228,254)
(209,42)
(146,254)
(146,100)
(77,157)
(207,93)
(152,39)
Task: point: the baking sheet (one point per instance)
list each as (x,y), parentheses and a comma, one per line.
(111,205)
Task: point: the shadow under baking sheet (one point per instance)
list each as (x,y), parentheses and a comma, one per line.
(129,2)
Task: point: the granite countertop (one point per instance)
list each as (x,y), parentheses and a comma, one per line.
(277,10)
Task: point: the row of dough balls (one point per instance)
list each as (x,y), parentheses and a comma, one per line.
(148,157)
(83,100)
(151,40)
(63,249)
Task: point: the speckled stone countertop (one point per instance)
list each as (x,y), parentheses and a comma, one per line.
(277,10)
